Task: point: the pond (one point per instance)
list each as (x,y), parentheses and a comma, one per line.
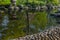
(13,28)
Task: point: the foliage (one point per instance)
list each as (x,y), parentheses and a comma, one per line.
(4,2)
(16,28)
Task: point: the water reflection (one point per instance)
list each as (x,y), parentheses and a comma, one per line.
(0,35)
(5,21)
(32,26)
(37,23)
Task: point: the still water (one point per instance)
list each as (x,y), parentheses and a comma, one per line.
(38,21)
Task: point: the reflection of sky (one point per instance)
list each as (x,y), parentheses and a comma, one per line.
(5,21)
(40,30)
(4,24)
(0,35)
(32,26)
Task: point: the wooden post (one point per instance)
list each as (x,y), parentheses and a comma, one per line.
(49,8)
(28,30)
